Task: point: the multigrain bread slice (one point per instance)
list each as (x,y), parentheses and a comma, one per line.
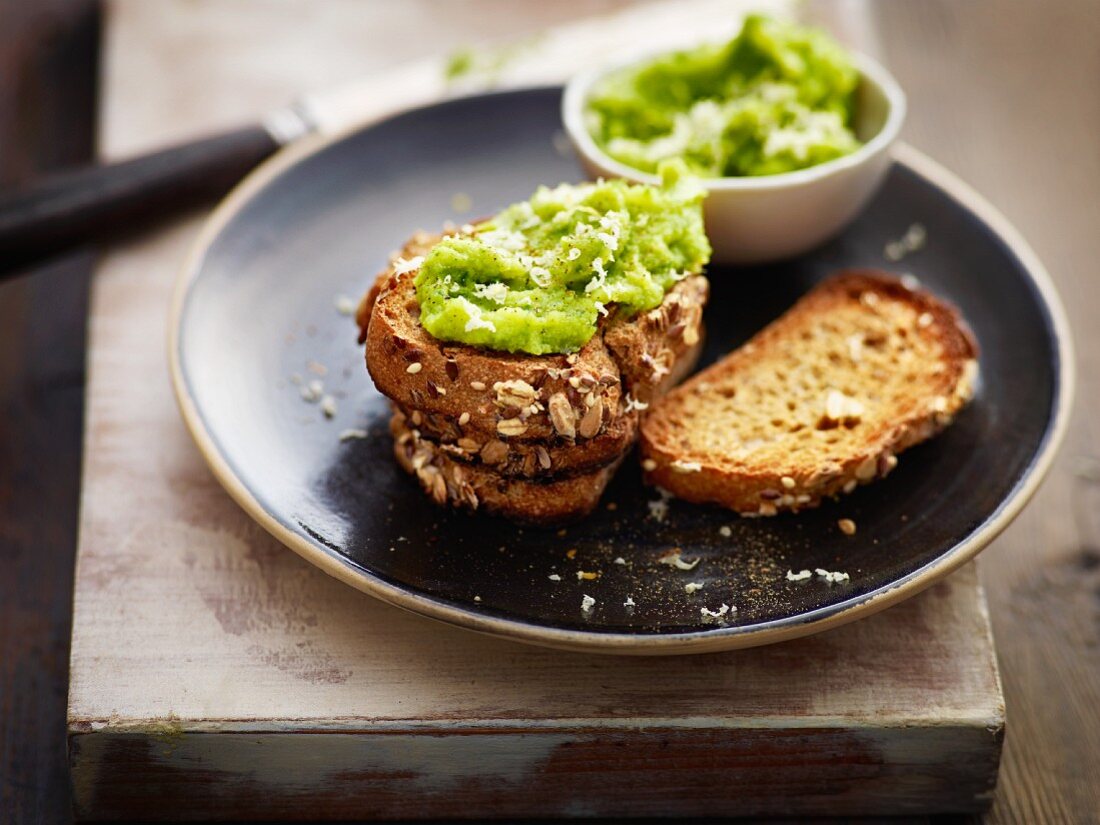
(571,398)
(519,457)
(820,401)
(476,487)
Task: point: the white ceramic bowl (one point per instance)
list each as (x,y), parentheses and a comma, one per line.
(771,217)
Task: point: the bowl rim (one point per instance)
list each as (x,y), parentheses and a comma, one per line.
(870,71)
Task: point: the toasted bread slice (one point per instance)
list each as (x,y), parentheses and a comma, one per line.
(523,397)
(524,458)
(477,487)
(821,400)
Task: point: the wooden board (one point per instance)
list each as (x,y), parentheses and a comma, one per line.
(49,53)
(216,674)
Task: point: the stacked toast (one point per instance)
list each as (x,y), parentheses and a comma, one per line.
(535,438)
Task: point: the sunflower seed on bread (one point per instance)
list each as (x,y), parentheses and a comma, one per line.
(820,401)
(520,457)
(478,487)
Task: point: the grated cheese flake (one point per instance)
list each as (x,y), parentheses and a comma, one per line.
(403,265)
(673,559)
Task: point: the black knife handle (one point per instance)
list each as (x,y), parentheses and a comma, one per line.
(99,202)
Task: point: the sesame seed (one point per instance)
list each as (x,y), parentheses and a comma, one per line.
(847,526)
(477,385)
(649,465)
(910,281)
(414,368)
(464,419)
(787,482)
(682,466)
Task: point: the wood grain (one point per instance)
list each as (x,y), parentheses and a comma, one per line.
(48,56)
(1004,94)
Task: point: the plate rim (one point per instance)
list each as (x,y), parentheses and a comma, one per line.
(699,641)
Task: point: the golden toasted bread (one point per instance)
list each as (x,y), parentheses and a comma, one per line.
(820,401)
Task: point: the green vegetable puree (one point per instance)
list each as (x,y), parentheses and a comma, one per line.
(537,277)
(776,98)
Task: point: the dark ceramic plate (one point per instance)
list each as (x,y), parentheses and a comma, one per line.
(255,311)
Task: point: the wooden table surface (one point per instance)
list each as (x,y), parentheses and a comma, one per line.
(1002,93)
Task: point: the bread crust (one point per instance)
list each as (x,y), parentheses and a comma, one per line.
(942,375)
(474,487)
(522,458)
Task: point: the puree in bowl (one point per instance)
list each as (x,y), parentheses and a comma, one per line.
(776,98)
(537,277)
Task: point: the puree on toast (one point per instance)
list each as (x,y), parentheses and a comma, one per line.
(537,277)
